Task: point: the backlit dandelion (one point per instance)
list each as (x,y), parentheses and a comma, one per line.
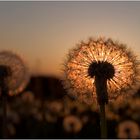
(17,74)
(117,64)
(100,69)
(13,79)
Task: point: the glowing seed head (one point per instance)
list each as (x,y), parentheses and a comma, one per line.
(13,72)
(72,124)
(104,58)
(128,129)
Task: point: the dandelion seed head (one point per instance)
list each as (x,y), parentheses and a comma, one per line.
(72,124)
(14,71)
(128,129)
(104,57)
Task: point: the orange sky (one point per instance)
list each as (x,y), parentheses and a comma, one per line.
(43,32)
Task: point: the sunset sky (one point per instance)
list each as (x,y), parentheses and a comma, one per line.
(43,32)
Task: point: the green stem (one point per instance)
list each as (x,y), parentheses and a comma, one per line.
(103,126)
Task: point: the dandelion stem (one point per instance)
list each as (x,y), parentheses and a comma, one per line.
(4,73)
(102,96)
(4,106)
(103,125)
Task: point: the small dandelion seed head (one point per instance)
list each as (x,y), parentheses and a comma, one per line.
(72,124)
(128,129)
(105,58)
(14,72)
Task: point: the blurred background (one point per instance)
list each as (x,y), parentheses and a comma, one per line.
(42,33)
(44,110)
